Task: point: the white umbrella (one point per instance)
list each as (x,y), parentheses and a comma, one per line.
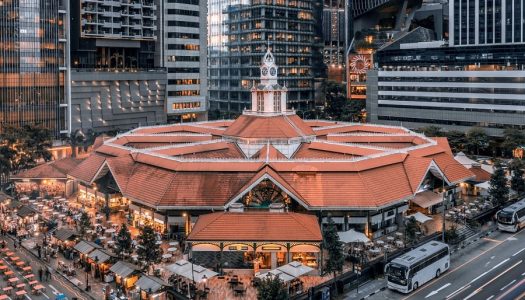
(352,236)
(295,269)
(111,230)
(168,255)
(173,243)
(184,268)
(172,249)
(421,218)
(276,272)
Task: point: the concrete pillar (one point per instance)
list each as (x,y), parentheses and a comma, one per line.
(274,260)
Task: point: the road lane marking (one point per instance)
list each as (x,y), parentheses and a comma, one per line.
(491,269)
(507,285)
(512,289)
(493,240)
(492,280)
(457,291)
(518,252)
(490,297)
(523,274)
(437,291)
(28,297)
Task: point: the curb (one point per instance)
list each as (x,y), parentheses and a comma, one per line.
(373,293)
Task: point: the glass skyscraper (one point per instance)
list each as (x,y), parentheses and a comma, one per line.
(32,64)
(239,32)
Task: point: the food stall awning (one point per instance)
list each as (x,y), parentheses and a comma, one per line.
(150,283)
(276,272)
(100,256)
(427,199)
(65,234)
(85,247)
(295,269)
(124,269)
(25,211)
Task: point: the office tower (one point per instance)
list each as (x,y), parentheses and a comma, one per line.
(239,33)
(456,88)
(334,38)
(474,22)
(117,81)
(184,56)
(33,65)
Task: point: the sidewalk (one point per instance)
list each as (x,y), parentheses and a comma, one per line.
(366,289)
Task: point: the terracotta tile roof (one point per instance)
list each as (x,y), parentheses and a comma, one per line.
(269,152)
(57,169)
(179,128)
(87,170)
(481,175)
(341,148)
(256,226)
(226,148)
(257,127)
(443,143)
(165,139)
(304,151)
(354,128)
(454,171)
(416,168)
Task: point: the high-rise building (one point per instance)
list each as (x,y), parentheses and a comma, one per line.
(184,56)
(334,33)
(239,33)
(33,64)
(117,78)
(473,22)
(456,88)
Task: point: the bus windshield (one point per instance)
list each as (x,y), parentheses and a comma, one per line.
(505,217)
(397,273)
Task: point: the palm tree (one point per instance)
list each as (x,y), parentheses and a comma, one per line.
(75,140)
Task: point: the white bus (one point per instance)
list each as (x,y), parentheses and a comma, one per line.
(413,269)
(512,217)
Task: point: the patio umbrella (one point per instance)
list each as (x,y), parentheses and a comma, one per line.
(184,268)
(421,218)
(352,236)
(172,249)
(295,269)
(276,272)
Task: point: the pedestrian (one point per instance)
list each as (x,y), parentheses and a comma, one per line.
(48,274)
(40,273)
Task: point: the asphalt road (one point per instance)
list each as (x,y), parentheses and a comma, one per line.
(54,286)
(494,270)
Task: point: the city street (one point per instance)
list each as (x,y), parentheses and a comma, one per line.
(54,286)
(492,269)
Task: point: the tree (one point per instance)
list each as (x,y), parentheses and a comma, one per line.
(148,250)
(516,181)
(411,227)
(75,140)
(38,140)
(123,244)
(477,140)
(432,131)
(333,245)
(498,190)
(271,288)
(451,235)
(456,140)
(512,138)
(338,107)
(84,224)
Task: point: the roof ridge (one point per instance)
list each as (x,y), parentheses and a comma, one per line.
(297,129)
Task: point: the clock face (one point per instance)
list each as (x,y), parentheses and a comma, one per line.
(273,71)
(264,71)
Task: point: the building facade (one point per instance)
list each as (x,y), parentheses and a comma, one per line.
(117,78)
(239,32)
(451,87)
(473,22)
(184,55)
(33,64)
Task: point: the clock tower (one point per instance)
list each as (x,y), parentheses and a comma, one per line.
(268,98)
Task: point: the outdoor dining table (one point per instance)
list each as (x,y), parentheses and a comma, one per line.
(11,280)
(9,273)
(390,238)
(3,267)
(7,289)
(3,297)
(29,276)
(10,253)
(380,242)
(28,268)
(400,243)
(20,293)
(21,285)
(399,233)
(15,258)
(33,282)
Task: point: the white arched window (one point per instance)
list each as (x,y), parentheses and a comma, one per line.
(260,101)
(277,101)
